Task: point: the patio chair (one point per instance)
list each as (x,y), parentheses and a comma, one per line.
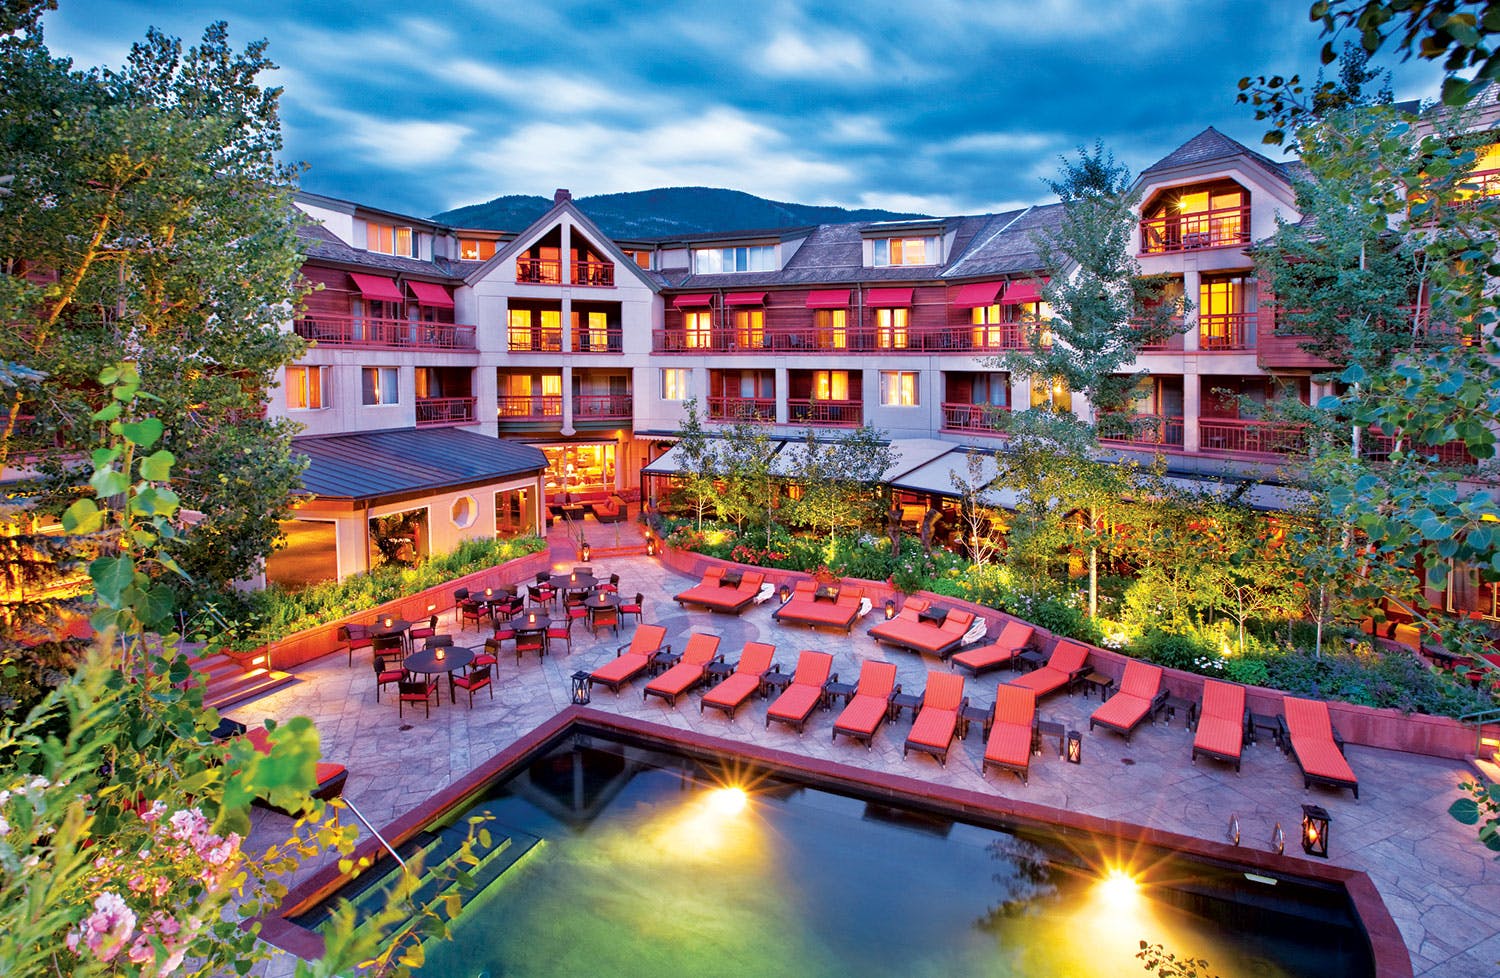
(489,657)
(530,642)
(612,587)
(1221,723)
(631,660)
(434,641)
(634,608)
(802,696)
(696,655)
(583,569)
(561,632)
(542,594)
(329,778)
(507,608)
(424,631)
(353,637)
(1316,746)
(472,683)
(1014,638)
(381,644)
(574,606)
(871,704)
(607,617)
(388,670)
(470,610)
(755,661)
(1068,664)
(415,691)
(937,716)
(1012,725)
(1140,695)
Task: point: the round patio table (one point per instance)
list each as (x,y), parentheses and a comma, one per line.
(600,600)
(530,621)
(398,626)
(443,658)
(574,582)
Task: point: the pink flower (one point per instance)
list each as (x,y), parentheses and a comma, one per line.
(107,930)
(154,812)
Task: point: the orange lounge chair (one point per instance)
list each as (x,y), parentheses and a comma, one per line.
(921,628)
(1317,747)
(700,651)
(1221,723)
(1014,637)
(1067,665)
(724,589)
(1140,695)
(807,607)
(728,696)
(631,660)
(1012,731)
(330,777)
(797,701)
(871,703)
(937,716)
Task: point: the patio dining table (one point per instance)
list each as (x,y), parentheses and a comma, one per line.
(573,582)
(443,658)
(398,626)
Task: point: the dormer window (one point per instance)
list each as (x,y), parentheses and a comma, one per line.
(388,239)
(924,250)
(475,249)
(744,258)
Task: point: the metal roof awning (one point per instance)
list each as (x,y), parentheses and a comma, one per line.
(372,467)
(828,299)
(377,287)
(431,295)
(977,294)
(1022,290)
(692,301)
(671,462)
(887,298)
(745,299)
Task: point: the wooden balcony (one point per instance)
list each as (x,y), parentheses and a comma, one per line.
(535,407)
(1240,437)
(602,407)
(1195,232)
(609,340)
(965,340)
(742,409)
(976,419)
(383,334)
(1144,429)
(534,340)
(438,412)
(539,271)
(596,273)
(1226,332)
(1377,447)
(825,413)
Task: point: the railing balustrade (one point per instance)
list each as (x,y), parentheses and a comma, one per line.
(433,412)
(373,333)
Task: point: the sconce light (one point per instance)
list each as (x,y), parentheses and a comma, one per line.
(580,688)
(890,608)
(1075,747)
(1315,831)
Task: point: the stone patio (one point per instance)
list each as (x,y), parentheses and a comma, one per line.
(1441,886)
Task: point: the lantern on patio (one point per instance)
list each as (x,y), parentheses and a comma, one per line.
(489,592)
(531,617)
(440,653)
(1315,831)
(584,551)
(580,688)
(1075,747)
(389,622)
(890,608)
(1278,840)
(650,544)
(784,593)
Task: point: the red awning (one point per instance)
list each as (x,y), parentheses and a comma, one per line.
(886,298)
(431,295)
(745,299)
(377,287)
(689,301)
(977,294)
(1023,290)
(828,299)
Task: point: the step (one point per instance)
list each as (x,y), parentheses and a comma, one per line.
(224,693)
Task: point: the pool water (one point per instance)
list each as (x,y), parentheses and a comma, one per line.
(647,867)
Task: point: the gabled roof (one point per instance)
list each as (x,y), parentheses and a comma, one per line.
(320,244)
(1210,145)
(1007,246)
(543,224)
(379,466)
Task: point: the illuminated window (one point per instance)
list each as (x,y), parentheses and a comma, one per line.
(890,328)
(642,259)
(831,385)
(830,324)
(745,258)
(591,330)
(378,386)
(697,325)
(306,388)
(552,385)
(906,251)
(989,330)
(898,388)
(1051,394)
(749,328)
(520,329)
(390,240)
(674,384)
(475,249)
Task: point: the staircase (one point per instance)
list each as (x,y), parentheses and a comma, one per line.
(232,680)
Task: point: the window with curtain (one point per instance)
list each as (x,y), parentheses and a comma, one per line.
(890,328)
(831,326)
(697,325)
(898,388)
(378,386)
(306,388)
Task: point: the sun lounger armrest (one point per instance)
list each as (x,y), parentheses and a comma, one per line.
(1337,740)
(1158,703)
(1077,674)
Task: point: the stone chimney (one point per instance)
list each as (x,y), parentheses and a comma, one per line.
(561,195)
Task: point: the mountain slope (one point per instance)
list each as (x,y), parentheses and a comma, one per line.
(664,212)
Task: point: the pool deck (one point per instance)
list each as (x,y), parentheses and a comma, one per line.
(1441,886)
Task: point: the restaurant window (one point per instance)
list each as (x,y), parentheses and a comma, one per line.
(890,328)
(588,467)
(906,251)
(306,388)
(674,384)
(696,325)
(749,328)
(515,513)
(399,538)
(378,385)
(744,258)
(475,249)
(831,385)
(898,388)
(831,325)
(389,239)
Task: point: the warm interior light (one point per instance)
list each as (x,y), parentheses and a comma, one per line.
(1119,886)
(729,800)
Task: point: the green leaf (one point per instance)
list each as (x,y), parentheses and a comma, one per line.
(112,575)
(109,482)
(157,467)
(109,412)
(84,516)
(103,457)
(144,433)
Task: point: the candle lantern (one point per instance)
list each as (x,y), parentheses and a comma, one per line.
(651,548)
(580,688)
(1075,747)
(389,622)
(489,592)
(784,593)
(890,608)
(531,618)
(1315,831)
(440,654)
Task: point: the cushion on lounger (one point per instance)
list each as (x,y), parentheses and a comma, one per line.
(863,714)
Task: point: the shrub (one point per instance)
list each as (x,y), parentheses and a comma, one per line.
(1173,650)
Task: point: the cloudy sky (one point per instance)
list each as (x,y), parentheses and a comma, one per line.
(941,106)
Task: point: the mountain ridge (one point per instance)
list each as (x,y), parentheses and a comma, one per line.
(666,211)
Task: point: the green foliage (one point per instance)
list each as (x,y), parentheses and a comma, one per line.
(1483,804)
(1174,650)
(699,470)
(1157,960)
(837,479)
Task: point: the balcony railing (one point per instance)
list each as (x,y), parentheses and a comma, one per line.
(742,409)
(979,419)
(534,407)
(1479,186)
(1378,446)
(963,340)
(1192,232)
(1250,437)
(602,407)
(372,333)
(1225,331)
(1144,429)
(534,340)
(600,273)
(1171,343)
(811,411)
(434,412)
(539,271)
(610,340)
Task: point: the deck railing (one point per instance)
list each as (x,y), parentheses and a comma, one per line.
(533,407)
(539,271)
(1192,232)
(602,407)
(812,411)
(1377,446)
(979,419)
(1225,331)
(533,340)
(599,273)
(1235,435)
(742,409)
(609,340)
(1143,429)
(372,333)
(434,412)
(963,340)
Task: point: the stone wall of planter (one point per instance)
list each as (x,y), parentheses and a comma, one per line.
(1417,733)
(320,640)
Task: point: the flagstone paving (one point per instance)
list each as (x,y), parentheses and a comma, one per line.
(1441,886)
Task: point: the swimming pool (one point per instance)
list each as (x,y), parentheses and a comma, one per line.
(625,855)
